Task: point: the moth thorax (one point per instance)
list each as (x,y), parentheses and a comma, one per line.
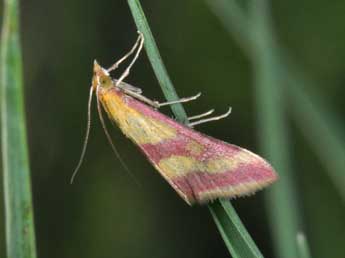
(105,81)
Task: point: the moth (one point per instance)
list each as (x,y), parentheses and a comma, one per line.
(198,167)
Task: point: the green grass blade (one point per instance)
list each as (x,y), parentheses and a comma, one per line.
(235,236)
(302,245)
(20,236)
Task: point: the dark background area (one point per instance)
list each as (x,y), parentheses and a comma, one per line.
(105,213)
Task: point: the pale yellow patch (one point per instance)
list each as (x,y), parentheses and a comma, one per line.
(138,127)
(175,165)
(194,148)
(179,165)
(229,163)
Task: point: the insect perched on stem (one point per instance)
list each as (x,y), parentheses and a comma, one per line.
(198,167)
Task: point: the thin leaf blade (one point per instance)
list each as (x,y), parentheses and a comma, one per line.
(20,236)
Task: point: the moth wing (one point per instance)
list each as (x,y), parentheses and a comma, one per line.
(201,168)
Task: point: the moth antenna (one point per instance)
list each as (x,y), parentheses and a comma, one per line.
(86,139)
(117,154)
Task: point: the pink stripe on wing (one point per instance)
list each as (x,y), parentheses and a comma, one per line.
(167,148)
(195,183)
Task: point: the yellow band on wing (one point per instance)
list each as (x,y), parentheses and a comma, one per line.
(174,166)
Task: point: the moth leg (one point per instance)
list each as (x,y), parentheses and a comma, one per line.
(128,87)
(126,72)
(201,115)
(140,97)
(210,119)
(130,52)
(154,103)
(179,100)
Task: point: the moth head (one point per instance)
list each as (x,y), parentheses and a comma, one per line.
(100,77)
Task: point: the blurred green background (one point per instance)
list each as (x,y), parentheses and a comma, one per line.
(105,213)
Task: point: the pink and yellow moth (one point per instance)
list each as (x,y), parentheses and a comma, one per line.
(200,168)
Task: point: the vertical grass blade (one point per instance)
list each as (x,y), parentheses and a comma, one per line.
(234,234)
(20,237)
